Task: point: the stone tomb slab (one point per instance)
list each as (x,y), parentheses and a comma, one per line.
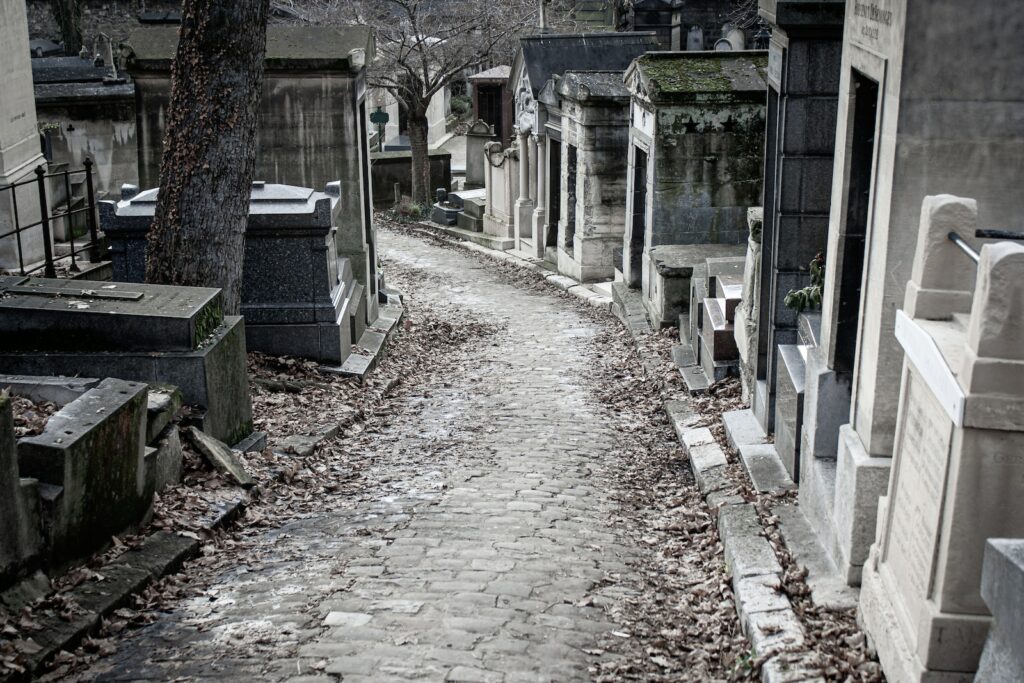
(41,314)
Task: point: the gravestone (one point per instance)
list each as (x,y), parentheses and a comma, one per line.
(298,296)
(958,459)
(477,137)
(145,333)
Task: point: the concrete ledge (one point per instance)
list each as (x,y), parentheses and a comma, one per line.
(162,553)
(765,468)
(742,428)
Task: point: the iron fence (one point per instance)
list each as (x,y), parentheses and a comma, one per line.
(44,201)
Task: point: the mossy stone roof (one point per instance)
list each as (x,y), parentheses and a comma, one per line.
(686,75)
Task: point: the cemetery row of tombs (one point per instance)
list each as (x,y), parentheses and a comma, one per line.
(103,378)
(830,220)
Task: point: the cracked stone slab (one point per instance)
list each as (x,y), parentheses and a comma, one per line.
(747,551)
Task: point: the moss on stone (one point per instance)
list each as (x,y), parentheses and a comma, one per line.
(687,74)
(207,321)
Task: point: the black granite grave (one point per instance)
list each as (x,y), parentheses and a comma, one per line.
(298,297)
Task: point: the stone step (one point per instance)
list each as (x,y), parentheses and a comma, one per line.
(717,332)
(724,269)
(683,356)
(732,293)
(475,207)
(789,406)
(714,370)
(468,222)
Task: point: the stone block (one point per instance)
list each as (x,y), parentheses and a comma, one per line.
(213,377)
(717,331)
(93,450)
(826,405)
(58,390)
(860,481)
(742,428)
(765,468)
(747,551)
(1002,587)
(789,407)
(162,406)
(167,462)
(468,222)
(22,539)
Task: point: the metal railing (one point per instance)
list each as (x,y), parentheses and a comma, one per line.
(43,181)
(982,233)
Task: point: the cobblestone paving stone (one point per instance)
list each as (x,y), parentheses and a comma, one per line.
(480,557)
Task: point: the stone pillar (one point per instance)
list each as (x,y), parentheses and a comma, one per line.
(540,213)
(524,206)
(19,138)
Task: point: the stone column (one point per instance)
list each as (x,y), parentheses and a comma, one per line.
(19,138)
(540,213)
(524,206)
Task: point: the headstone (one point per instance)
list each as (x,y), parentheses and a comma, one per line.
(478,135)
(297,294)
(695,39)
(138,332)
(958,469)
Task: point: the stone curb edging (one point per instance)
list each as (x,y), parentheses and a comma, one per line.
(766,615)
(161,553)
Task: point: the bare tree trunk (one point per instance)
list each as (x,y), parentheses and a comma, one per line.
(421,190)
(198,234)
(68,14)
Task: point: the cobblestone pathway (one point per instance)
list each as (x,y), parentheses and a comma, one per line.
(481,557)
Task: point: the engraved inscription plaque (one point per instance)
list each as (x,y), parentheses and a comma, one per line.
(916,504)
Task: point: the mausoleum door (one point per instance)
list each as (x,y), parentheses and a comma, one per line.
(638,229)
(859,183)
(554,193)
(570,214)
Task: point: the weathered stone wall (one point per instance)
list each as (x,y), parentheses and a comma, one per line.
(707,172)
(389,168)
(600,133)
(306,136)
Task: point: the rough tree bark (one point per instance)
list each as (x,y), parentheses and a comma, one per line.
(421,190)
(68,14)
(198,233)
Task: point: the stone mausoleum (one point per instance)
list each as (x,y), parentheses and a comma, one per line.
(313,123)
(696,144)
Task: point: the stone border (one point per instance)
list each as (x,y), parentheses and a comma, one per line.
(766,615)
(161,553)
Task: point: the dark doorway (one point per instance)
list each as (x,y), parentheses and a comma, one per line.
(554,192)
(570,214)
(489,106)
(638,228)
(851,270)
